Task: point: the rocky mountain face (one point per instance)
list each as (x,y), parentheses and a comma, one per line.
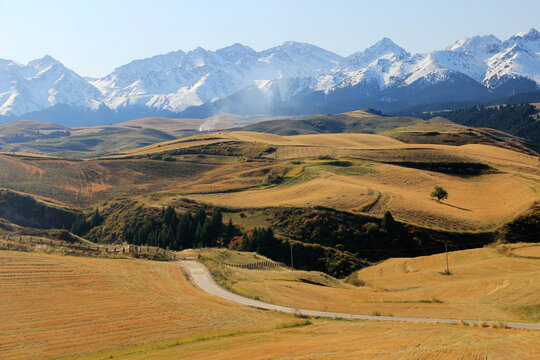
(293,78)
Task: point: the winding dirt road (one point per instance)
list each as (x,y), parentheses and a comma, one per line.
(201,277)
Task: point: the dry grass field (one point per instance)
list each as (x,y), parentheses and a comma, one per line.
(377,184)
(326,339)
(79,183)
(54,306)
(175,126)
(492,283)
(230,169)
(87,308)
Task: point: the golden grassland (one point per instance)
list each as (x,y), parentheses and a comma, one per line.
(78,183)
(374,180)
(475,202)
(83,308)
(492,283)
(327,339)
(54,306)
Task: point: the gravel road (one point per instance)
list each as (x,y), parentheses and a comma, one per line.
(201,277)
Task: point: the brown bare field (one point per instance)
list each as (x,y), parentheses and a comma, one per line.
(54,306)
(486,284)
(330,191)
(474,202)
(353,340)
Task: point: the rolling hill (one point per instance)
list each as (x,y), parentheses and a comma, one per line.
(360,121)
(497,282)
(95,143)
(135,309)
(488,185)
(34,137)
(330,193)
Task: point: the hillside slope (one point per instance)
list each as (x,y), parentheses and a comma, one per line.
(126,303)
(487,184)
(353,122)
(497,283)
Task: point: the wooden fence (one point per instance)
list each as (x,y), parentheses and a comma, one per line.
(257,265)
(5,240)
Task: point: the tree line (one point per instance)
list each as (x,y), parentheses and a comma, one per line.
(200,228)
(168,230)
(188,231)
(520,120)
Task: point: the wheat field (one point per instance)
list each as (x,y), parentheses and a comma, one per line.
(376,182)
(475,202)
(54,306)
(492,283)
(86,308)
(352,340)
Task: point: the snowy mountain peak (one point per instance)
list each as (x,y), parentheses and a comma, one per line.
(176,81)
(488,44)
(44,62)
(381,48)
(293,48)
(386,44)
(529,40)
(236,51)
(532,33)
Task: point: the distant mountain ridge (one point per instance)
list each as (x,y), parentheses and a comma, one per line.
(293,78)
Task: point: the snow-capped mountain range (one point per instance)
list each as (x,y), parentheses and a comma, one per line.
(294,78)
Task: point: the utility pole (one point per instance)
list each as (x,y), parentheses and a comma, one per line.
(447,268)
(292,262)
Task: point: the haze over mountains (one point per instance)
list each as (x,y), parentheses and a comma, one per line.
(293,78)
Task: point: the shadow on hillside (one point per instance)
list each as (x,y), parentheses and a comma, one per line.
(454,206)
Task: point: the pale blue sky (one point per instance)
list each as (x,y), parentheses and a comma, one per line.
(93,37)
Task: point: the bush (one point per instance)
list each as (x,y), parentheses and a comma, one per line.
(354,280)
(439,193)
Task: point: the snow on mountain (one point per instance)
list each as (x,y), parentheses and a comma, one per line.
(361,59)
(514,62)
(40,84)
(529,40)
(178,80)
(478,46)
(520,57)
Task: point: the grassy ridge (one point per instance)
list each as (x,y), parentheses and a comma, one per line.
(102,142)
(325,124)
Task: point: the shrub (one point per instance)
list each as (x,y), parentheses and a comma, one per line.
(354,280)
(439,193)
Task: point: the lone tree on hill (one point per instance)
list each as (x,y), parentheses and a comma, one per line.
(439,193)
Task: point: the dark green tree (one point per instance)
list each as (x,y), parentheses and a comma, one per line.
(439,193)
(96,219)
